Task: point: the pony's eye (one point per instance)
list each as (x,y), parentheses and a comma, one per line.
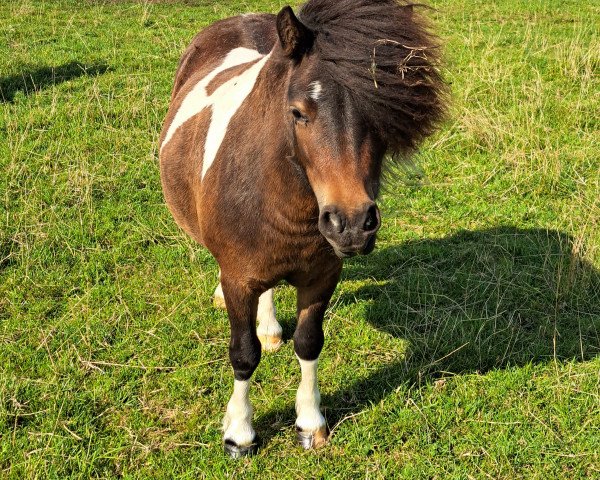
(298,117)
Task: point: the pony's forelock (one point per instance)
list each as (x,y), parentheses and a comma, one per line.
(382,53)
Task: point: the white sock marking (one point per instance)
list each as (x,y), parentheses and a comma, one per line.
(225,101)
(237,423)
(308,398)
(267,321)
(314,90)
(219,292)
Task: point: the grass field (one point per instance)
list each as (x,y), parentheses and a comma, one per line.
(466,346)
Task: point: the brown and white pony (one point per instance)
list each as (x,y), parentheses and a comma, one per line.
(271,156)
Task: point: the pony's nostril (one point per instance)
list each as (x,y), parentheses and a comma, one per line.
(371,220)
(335,221)
(332,222)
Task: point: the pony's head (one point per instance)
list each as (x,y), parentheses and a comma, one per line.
(362,82)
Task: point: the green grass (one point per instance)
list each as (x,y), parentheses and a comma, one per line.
(466,346)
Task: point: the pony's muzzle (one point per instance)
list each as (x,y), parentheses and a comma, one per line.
(350,233)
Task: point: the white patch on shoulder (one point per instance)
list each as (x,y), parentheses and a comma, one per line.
(225,100)
(314,90)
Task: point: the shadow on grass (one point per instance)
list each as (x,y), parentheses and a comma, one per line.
(35,79)
(472,302)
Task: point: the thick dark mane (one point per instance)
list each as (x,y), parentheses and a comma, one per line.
(382,53)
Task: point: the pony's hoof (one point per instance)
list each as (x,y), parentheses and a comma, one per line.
(270,343)
(237,451)
(309,440)
(219,302)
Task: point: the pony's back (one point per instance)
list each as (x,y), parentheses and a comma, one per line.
(207,49)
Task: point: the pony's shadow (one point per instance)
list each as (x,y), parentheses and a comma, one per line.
(471,302)
(33,79)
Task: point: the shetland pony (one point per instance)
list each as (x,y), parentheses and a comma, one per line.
(271,157)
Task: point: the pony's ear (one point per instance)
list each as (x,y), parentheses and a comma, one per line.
(296,39)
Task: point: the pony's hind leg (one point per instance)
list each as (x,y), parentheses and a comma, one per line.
(269,331)
(218,298)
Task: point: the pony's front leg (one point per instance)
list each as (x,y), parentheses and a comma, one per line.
(311,427)
(269,331)
(244,352)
